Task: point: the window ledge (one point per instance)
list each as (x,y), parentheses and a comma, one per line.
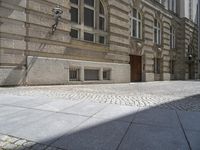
(137,39)
(90,42)
(158,45)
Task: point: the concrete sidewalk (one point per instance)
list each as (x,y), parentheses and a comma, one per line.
(85,125)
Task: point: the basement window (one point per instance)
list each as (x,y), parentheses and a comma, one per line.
(74,74)
(91,75)
(106,75)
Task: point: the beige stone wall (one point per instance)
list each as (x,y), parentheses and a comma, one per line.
(186,35)
(25,32)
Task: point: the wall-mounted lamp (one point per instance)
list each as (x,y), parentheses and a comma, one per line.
(57,12)
(190,56)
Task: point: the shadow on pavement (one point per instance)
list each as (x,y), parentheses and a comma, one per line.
(117,127)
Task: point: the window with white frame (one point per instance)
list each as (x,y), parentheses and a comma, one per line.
(88,36)
(102,17)
(172,38)
(74,74)
(89,19)
(89,13)
(74,33)
(74,11)
(136,24)
(157,32)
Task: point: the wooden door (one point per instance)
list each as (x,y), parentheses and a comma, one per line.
(136,68)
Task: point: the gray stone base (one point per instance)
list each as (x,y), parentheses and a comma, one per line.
(47,71)
(166,76)
(149,76)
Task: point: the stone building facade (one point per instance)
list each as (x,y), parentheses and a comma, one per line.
(96,41)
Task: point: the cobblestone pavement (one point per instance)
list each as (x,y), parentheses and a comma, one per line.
(13,143)
(179,95)
(32,117)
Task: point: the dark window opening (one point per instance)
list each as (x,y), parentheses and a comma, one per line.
(91,75)
(74,74)
(74,14)
(106,75)
(101,23)
(89,2)
(101,9)
(88,36)
(172,66)
(102,39)
(134,32)
(74,33)
(88,17)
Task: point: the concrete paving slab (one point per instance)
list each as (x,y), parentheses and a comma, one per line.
(9,99)
(13,122)
(32,103)
(85,108)
(94,134)
(50,128)
(7,110)
(142,137)
(112,112)
(57,105)
(194,139)
(157,117)
(190,120)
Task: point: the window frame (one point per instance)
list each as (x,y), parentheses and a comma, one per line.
(102,16)
(138,21)
(77,72)
(78,33)
(89,33)
(99,13)
(94,16)
(77,7)
(107,72)
(157,28)
(172,38)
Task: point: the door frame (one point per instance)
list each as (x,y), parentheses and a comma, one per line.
(141,68)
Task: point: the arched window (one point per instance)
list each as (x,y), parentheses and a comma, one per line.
(136,24)
(172,37)
(88,20)
(157,32)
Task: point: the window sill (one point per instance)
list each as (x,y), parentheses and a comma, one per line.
(158,46)
(173,49)
(137,39)
(90,42)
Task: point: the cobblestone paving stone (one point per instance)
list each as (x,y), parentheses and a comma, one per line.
(179,95)
(13,143)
